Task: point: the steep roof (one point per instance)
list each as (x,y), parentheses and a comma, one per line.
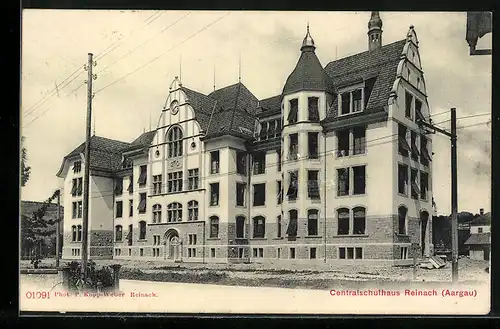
(484,219)
(270,106)
(479,238)
(378,67)
(143,141)
(308,74)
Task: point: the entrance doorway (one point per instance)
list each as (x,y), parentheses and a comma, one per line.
(424,219)
(172,245)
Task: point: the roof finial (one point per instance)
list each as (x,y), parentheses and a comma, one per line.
(239,68)
(308,26)
(308,42)
(214,76)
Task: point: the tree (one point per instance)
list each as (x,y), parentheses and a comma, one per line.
(25,169)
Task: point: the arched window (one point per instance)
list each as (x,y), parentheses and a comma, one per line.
(118,233)
(293,217)
(402,211)
(142,230)
(343,221)
(157,213)
(192,210)
(73,230)
(312,222)
(174,142)
(259,227)
(79,233)
(240,227)
(359,220)
(214,227)
(174,211)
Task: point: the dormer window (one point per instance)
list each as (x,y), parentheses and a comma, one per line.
(263,130)
(269,129)
(313,109)
(351,102)
(293,111)
(77,167)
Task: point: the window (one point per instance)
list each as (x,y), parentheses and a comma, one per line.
(240,252)
(142,203)
(214,227)
(212,252)
(214,162)
(263,130)
(73,189)
(119,209)
(259,163)
(312,222)
(131,208)
(351,102)
(414,149)
(80,209)
(174,211)
(292,253)
(342,253)
(193,179)
(278,128)
(192,210)
(424,185)
(359,136)
(293,112)
(77,209)
(402,211)
(258,252)
(240,194)
(425,157)
(271,131)
(157,213)
(343,221)
(191,239)
(118,186)
(79,189)
(359,173)
(313,108)
(359,221)
(157,182)
(156,240)
(77,167)
(279,192)
(418,110)
(358,253)
(342,181)
(259,227)
(343,142)
(142,176)
(402,179)
(313,145)
(278,252)
(241,163)
(294,147)
(73,231)
(175,182)
(118,233)
(403,146)
(293,188)
(131,184)
(292,224)
(312,253)
(346,103)
(74,204)
(142,230)
(259,194)
(130,234)
(415,191)
(174,142)
(278,227)
(357,100)
(312,184)
(479,230)
(214,194)
(79,233)
(240,227)
(279,159)
(350,253)
(141,252)
(408,103)
(404,252)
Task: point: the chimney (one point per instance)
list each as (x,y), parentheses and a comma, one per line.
(481,211)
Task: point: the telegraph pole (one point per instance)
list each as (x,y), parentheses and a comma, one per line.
(58,221)
(86,178)
(454,187)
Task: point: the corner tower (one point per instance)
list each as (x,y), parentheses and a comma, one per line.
(374,31)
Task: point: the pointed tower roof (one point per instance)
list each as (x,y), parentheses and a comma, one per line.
(308,73)
(375,22)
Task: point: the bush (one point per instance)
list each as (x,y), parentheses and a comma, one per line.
(97,278)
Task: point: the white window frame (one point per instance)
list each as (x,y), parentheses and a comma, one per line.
(350,90)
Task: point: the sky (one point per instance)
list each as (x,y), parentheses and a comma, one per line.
(139,53)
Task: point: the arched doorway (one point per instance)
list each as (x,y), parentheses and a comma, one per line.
(424,220)
(172,245)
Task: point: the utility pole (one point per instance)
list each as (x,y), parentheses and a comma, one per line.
(58,223)
(454,187)
(86,178)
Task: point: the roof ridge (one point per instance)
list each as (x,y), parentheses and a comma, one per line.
(364,52)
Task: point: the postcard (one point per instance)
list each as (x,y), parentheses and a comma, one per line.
(246,162)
